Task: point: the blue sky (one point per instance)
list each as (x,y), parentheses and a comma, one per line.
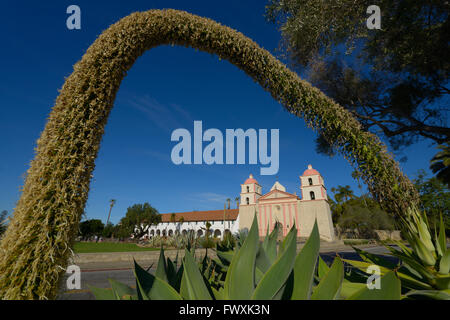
(167,88)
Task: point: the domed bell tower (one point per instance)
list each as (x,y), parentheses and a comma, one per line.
(312,185)
(250,191)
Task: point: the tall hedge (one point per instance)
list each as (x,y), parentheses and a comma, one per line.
(37,244)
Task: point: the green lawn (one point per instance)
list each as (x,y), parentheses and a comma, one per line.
(88,247)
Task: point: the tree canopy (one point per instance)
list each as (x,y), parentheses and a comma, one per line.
(138,218)
(89,228)
(361,213)
(434,198)
(394,80)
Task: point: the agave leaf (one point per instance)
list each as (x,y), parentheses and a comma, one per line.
(443,282)
(424,234)
(225,256)
(410,280)
(153,288)
(413,263)
(161,268)
(438,245)
(240,278)
(407,251)
(444,264)
(442,242)
(103,294)
(121,290)
(258,275)
(262,261)
(305,265)
(322,268)
(177,279)
(330,285)
(194,283)
(375,259)
(270,243)
(423,253)
(283,245)
(274,279)
(432,294)
(170,271)
(218,293)
(349,288)
(390,289)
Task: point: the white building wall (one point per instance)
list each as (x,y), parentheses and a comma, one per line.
(233,226)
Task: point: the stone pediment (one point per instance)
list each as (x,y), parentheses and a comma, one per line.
(278,194)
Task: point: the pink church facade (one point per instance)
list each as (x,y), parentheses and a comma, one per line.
(280,206)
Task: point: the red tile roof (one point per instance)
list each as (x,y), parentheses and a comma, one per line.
(211,215)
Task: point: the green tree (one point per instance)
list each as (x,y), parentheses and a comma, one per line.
(138,218)
(394,80)
(435,199)
(3,221)
(108,231)
(361,213)
(343,193)
(206,241)
(122,232)
(440,164)
(364,215)
(90,228)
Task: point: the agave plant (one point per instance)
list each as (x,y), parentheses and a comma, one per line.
(423,267)
(254,270)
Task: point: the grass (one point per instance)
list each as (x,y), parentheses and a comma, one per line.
(354,242)
(91,247)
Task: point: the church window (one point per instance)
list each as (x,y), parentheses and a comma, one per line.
(248,189)
(310,181)
(248,200)
(313,196)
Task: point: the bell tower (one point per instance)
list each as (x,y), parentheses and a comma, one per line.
(312,185)
(250,191)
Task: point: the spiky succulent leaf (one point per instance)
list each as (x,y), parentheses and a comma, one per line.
(103,294)
(153,288)
(305,265)
(330,285)
(432,294)
(122,291)
(444,264)
(194,285)
(161,268)
(240,278)
(390,289)
(274,279)
(270,243)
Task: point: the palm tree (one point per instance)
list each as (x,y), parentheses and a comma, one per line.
(342,193)
(357,175)
(112,202)
(172,217)
(237,202)
(440,164)
(228,202)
